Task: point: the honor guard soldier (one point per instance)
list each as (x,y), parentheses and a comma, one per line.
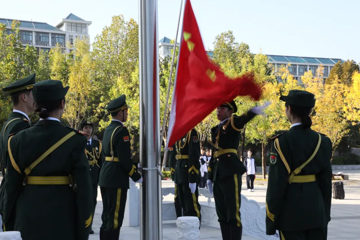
(186,151)
(172,163)
(23,104)
(225,168)
(116,170)
(93,154)
(48,180)
(298,198)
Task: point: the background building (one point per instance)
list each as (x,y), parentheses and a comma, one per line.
(43,36)
(297,66)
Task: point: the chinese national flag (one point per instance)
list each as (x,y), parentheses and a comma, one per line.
(200,85)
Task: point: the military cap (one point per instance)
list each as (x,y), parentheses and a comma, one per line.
(299,98)
(117,104)
(230,105)
(86,123)
(49,90)
(21,85)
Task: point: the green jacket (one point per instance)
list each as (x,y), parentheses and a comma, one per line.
(115,174)
(15,123)
(299,206)
(227,136)
(95,158)
(187,170)
(41,211)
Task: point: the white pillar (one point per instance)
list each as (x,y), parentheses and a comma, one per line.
(188,228)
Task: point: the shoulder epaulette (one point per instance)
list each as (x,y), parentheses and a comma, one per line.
(77,131)
(276,136)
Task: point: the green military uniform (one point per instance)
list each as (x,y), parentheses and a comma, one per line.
(172,164)
(48,182)
(115,173)
(187,152)
(225,171)
(298,198)
(16,122)
(93,153)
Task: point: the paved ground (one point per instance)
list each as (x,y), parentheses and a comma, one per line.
(345,223)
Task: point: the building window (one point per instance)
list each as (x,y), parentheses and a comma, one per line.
(76,28)
(43,37)
(60,39)
(302,69)
(71,39)
(313,69)
(26,36)
(292,69)
(326,71)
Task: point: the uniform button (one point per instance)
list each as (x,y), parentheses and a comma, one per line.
(217,159)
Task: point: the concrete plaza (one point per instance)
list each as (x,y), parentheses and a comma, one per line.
(344,225)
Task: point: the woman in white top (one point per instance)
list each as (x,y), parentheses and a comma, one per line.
(250,170)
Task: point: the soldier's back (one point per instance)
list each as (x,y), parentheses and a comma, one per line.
(304,207)
(47,211)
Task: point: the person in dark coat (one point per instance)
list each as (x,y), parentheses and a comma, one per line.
(93,153)
(298,198)
(225,169)
(48,185)
(116,170)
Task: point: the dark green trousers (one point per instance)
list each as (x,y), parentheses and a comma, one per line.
(227,196)
(94,188)
(177,203)
(189,201)
(114,200)
(311,234)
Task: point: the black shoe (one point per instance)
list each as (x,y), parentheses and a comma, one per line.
(91,231)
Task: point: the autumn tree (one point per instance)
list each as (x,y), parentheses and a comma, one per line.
(343,72)
(81,84)
(328,116)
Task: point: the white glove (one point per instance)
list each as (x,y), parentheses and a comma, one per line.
(210,186)
(140,180)
(260,110)
(192,187)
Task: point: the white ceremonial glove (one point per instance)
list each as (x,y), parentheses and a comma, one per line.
(260,109)
(210,186)
(140,180)
(192,187)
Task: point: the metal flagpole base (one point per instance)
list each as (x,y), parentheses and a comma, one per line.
(188,228)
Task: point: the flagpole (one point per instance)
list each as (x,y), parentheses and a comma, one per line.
(168,90)
(151,215)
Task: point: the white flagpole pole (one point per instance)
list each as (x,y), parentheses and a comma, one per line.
(151,215)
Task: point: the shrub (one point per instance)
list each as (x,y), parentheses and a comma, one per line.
(346,159)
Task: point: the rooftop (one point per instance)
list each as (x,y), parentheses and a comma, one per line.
(304,60)
(30,24)
(74,17)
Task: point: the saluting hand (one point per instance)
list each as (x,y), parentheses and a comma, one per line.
(260,110)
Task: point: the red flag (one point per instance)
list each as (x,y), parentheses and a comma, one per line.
(200,85)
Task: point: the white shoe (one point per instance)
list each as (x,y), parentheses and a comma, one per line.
(252,190)
(249,190)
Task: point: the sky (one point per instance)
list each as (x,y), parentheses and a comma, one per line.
(314,28)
